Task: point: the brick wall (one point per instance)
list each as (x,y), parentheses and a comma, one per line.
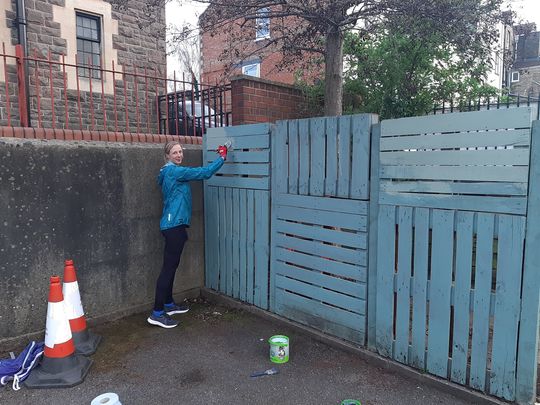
(138,43)
(105,136)
(529,82)
(223,51)
(256,100)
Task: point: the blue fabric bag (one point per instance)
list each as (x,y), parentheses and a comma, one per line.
(18,369)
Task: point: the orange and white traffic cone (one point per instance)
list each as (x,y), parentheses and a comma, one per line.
(60,366)
(86,342)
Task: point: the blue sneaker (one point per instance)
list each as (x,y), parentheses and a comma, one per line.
(165,321)
(176,309)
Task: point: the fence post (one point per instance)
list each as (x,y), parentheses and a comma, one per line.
(372,245)
(21,80)
(529,320)
(279,177)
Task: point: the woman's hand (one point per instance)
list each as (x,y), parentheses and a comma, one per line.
(222,151)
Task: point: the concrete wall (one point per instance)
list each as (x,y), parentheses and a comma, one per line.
(98,204)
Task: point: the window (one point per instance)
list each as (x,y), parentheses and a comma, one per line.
(252,69)
(515,77)
(89,44)
(497,62)
(262,24)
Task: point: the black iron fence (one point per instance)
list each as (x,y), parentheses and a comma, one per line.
(488,103)
(193,111)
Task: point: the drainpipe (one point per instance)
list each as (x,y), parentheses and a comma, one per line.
(20,23)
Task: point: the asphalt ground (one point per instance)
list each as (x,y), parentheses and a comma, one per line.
(209,358)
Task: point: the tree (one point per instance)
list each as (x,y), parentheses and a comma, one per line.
(397,74)
(185,46)
(319,26)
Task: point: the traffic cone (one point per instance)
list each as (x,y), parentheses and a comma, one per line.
(86,342)
(60,366)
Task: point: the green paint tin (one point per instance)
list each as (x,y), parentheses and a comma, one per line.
(350,402)
(279,349)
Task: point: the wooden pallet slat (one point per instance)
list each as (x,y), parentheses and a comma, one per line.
(345,270)
(505,174)
(212,208)
(235,252)
(222,268)
(303,156)
(385,280)
(462,293)
(459,122)
(293,157)
(442,249)
(261,141)
(228,240)
(244,169)
(317,248)
(260,183)
(419,287)
(516,205)
(354,240)
(261,237)
(330,185)
(317,156)
(322,279)
(238,131)
(361,145)
(325,313)
(242,262)
(330,219)
(482,295)
(344,160)
(447,187)
(333,298)
(507,306)
(476,139)
(250,251)
(403,278)
(357,207)
(504,157)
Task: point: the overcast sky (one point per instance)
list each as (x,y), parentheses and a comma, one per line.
(189,12)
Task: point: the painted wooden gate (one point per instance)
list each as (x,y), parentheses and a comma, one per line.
(237,214)
(452,206)
(320,188)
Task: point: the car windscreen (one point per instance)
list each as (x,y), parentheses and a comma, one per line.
(198,110)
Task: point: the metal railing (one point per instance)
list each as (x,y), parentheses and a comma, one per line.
(47,92)
(488,103)
(190,117)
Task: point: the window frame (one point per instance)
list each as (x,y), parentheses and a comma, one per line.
(257,66)
(84,72)
(262,24)
(515,72)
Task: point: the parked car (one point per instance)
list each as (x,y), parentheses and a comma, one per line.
(190,116)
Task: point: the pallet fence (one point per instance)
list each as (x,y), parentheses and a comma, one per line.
(415,237)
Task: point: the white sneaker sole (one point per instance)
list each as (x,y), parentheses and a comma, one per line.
(152,322)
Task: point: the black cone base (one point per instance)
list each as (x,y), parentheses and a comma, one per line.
(86,342)
(58,373)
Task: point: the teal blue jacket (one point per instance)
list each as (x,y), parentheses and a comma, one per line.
(174,182)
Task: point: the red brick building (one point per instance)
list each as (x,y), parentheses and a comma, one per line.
(243,47)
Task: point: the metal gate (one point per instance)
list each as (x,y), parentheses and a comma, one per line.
(320,188)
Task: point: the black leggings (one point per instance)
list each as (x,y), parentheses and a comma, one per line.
(175,238)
